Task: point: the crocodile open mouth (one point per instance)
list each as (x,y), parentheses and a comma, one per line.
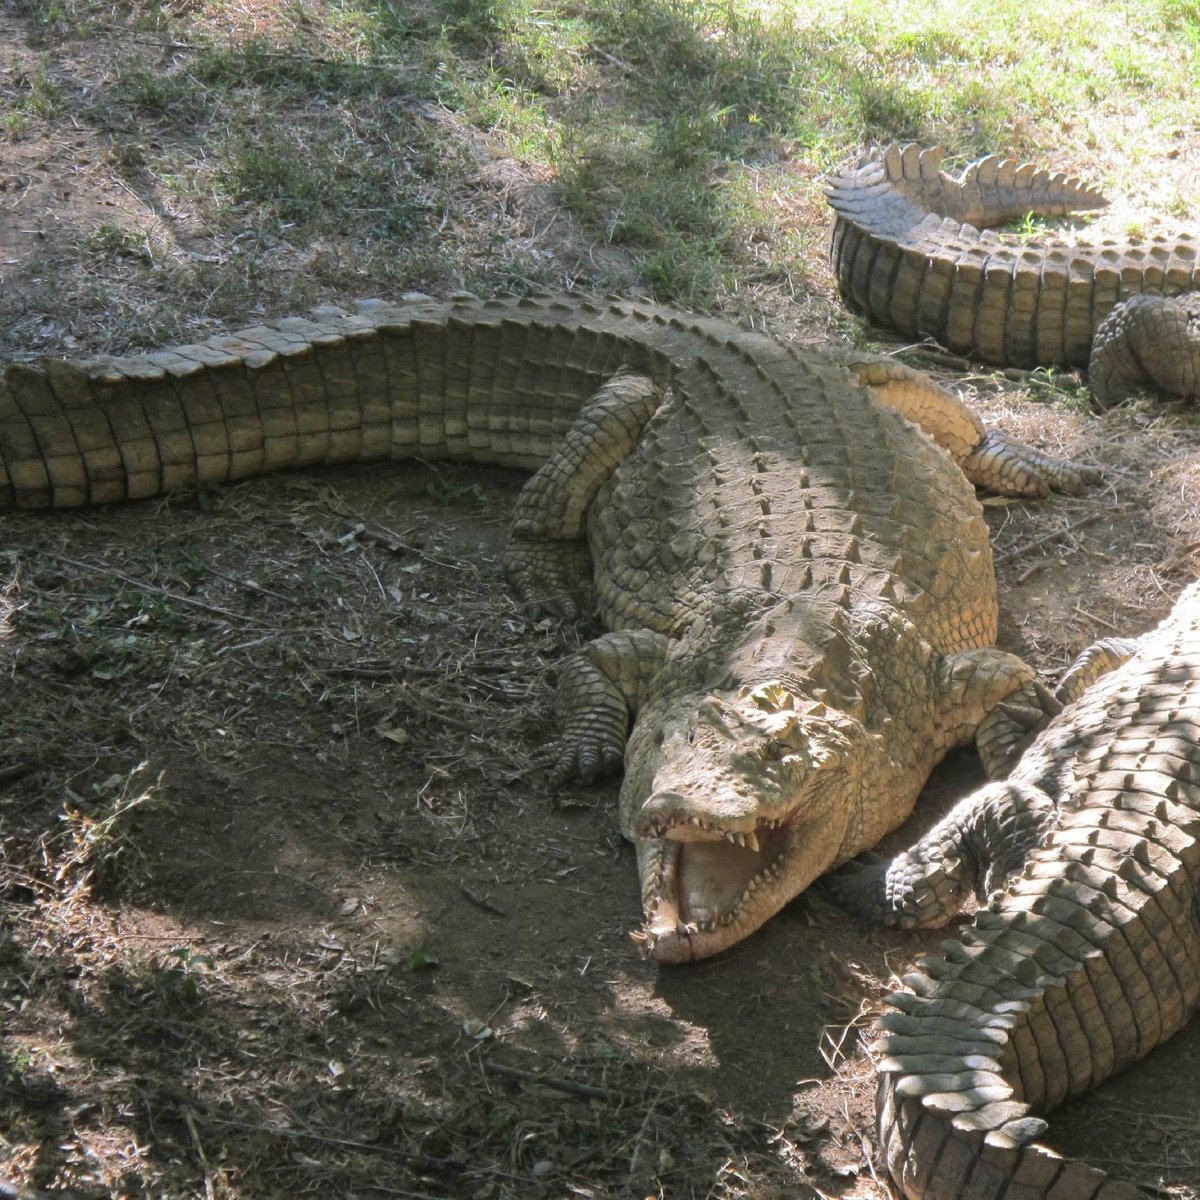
(700,883)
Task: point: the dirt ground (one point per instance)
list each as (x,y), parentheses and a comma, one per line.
(289,910)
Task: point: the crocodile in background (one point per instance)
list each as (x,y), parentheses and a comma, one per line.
(910,254)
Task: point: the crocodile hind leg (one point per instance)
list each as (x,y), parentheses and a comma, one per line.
(1147,341)
(989,458)
(547,562)
(1097,660)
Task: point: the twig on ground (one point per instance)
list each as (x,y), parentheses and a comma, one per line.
(1045,540)
(189,1118)
(481,901)
(939,358)
(559,1085)
(153,589)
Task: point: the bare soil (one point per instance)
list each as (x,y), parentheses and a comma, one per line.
(288,908)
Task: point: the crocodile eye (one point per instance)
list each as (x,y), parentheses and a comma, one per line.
(774,749)
(692,736)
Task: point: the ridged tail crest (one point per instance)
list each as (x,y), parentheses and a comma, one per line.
(911,253)
(988,192)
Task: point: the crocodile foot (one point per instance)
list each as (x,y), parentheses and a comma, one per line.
(1147,342)
(1010,468)
(549,578)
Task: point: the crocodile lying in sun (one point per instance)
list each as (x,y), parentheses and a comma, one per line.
(1088,959)
(909,255)
(797,581)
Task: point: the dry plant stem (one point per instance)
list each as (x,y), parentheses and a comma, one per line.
(940,358)
(153,589)
(424,1161)
(190,1120)
(1047,539)
(559,1085)
(481,901)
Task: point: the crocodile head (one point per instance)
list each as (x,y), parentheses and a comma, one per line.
(749,802)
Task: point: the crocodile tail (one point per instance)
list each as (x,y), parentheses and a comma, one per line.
(988,192)
(497,382)
(992,190)
(929,1159)
(1089,960)
(909,255)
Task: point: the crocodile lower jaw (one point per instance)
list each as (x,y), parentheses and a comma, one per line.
(703,890)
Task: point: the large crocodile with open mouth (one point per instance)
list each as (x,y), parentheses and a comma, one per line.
(911,253)
(1087,959)
(797,580)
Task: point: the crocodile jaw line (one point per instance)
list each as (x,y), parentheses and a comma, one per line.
(746,878)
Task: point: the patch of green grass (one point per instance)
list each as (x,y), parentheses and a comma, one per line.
(361,121)
(152,91)
(110,240)
(14,124)
(327,179)
(65,17)
(36,94)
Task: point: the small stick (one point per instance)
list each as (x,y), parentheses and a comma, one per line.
(481,901)
(17,769)
(938,357)
(1083,612)
(424,1161)
(559,1085)
(190,1120)
(360,530)
(1037,543)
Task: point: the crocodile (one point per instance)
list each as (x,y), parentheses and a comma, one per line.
(911,252)
(1087,953)
(796,580)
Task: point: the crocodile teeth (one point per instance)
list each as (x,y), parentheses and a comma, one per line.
(750,841)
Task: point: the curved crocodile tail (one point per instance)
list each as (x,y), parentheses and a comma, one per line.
(1088,960)
(496,381)
(910,254)
(988,192)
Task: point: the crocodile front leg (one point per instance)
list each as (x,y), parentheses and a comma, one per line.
(984,839)
(1147,341)
(973,850)
(989,458)
(547,562)
(599,693)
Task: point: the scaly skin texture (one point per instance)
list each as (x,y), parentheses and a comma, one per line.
(909,255)
(797,581)
(1088,959)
